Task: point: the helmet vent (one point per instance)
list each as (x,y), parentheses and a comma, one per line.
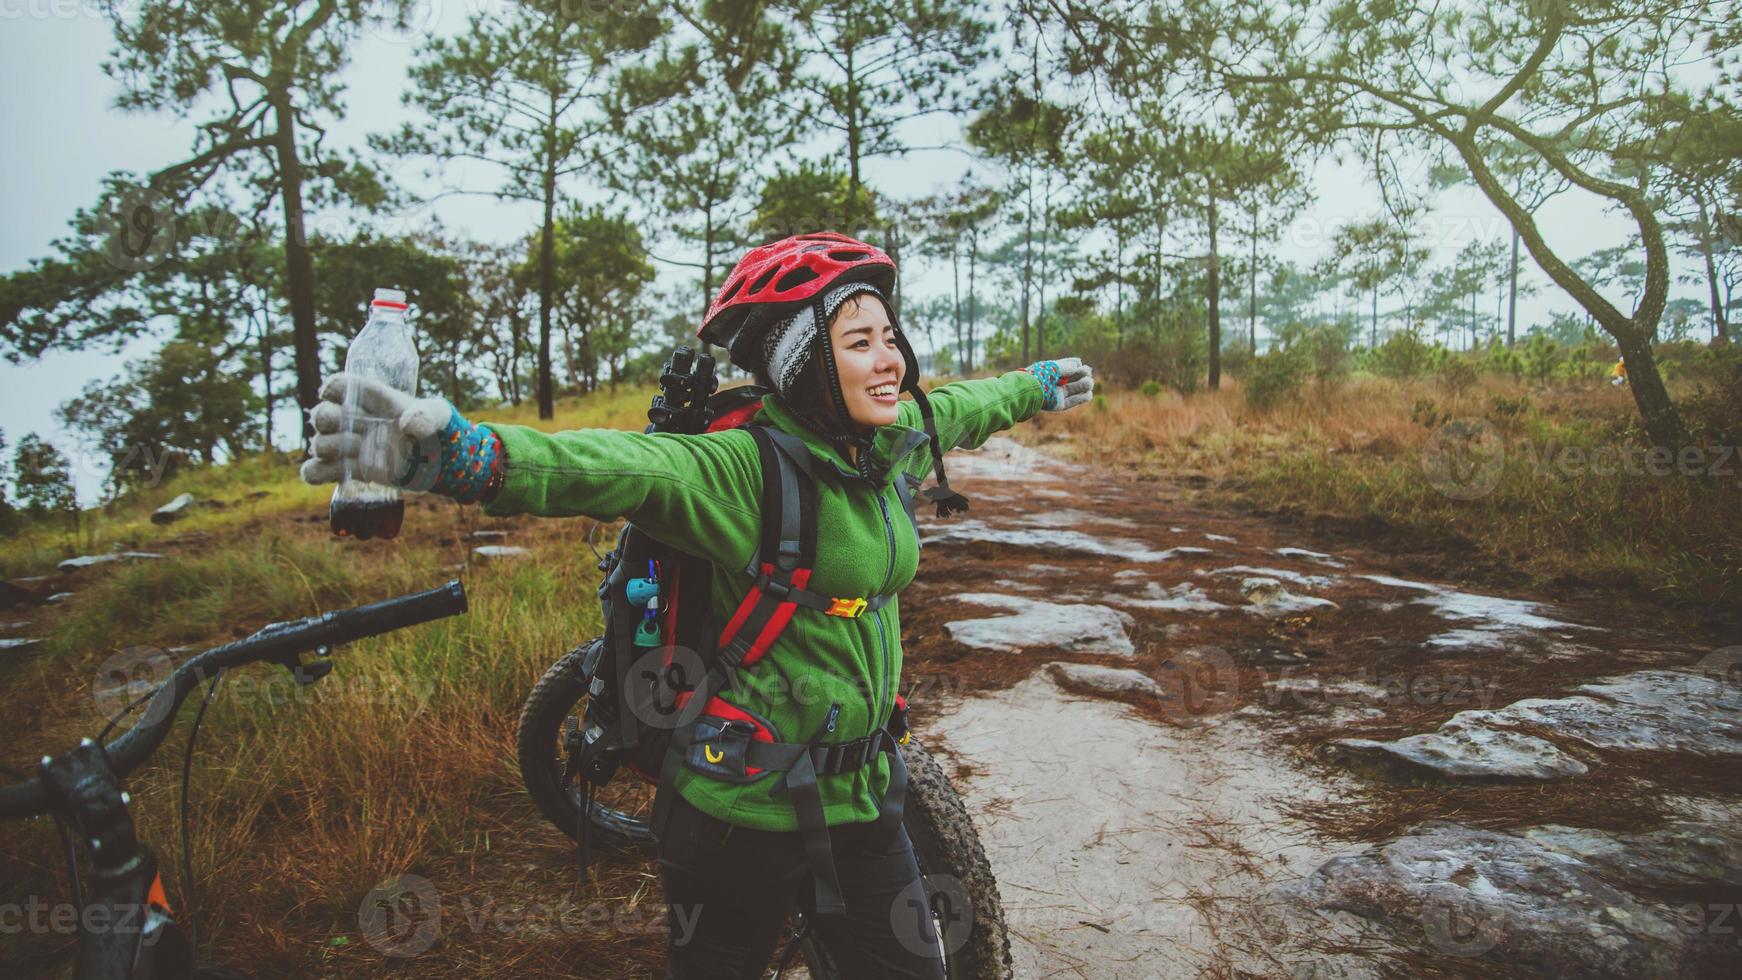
(762,280)
(849,256)
(731,291)
(796,277)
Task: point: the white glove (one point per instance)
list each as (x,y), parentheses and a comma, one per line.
(1068,382)
(393,439)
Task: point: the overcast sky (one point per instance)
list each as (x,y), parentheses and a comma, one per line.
(63,137)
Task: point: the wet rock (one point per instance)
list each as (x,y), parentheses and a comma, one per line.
(58,598)
(1489,614)
(1073,628)
(1471,752)
(87,561)
(1468,893)
(1271,598)
(1223,538)
(1650,710)
(498,552)
(1060,540)
(1679,855)
(1069,517)
(1183,597)
(1296,578)
(1108,680)
(489,535)
(174,511)
(1005,459)
(1317,556)
(19,642)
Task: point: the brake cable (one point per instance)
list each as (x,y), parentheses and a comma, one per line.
(187,861)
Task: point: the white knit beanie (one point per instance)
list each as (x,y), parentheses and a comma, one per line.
(786,347)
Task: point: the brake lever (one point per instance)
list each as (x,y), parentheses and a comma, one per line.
(307,673)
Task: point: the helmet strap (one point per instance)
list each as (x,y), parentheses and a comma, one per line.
(948,501)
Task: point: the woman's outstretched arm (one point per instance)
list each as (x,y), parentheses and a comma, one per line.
(700,493)
(967,413)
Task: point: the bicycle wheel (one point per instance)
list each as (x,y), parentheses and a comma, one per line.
(622,808)
(953,865)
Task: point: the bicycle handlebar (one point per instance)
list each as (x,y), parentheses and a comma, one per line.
(277,641)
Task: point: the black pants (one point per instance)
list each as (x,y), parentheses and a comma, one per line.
(728,891)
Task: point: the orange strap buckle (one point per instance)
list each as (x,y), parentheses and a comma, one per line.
(847,608)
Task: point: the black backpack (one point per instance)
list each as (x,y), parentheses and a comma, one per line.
(653,704)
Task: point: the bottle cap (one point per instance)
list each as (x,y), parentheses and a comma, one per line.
(389,299)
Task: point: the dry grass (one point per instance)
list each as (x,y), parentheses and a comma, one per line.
(305,799)
(1357,451)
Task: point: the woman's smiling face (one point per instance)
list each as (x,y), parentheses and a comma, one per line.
(869,362)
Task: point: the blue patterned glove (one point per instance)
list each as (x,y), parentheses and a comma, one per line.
(1066,383)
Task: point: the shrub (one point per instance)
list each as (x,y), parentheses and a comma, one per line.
(1403,355)
(1150,388)
(1457,373)
(1275,378)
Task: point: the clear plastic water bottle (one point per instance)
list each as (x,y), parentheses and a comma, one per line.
(383,351)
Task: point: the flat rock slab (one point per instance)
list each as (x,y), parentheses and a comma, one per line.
(87,561)
(489,535)
(1317,556)
(498,552)
(1550,900)
(1069,627)
(174,511)
(19,642)
(1470,752)
(1001,458)
(1269,596)
(1060,540)
(1183,597)
(1107,680)
(1650,710)
(1296,578)
(1489,614)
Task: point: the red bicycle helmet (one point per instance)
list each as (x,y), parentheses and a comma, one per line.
(772,281)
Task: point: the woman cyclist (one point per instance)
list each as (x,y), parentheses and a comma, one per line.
(807,316)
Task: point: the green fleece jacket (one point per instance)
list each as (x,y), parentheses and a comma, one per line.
(702,494)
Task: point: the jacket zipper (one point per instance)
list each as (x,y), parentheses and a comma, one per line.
(877,614)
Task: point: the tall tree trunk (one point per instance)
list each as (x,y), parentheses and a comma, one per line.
(956,295)
(1719,326)
(1512,294)
(266,368)
(1373,327)
(1027,256)
(854,138)
(299,275)
(1252,292)
(1118,289)
(973,307)
(547,273)
(1040,281)
(1215,285)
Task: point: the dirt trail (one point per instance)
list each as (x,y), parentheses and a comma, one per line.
(1143,702)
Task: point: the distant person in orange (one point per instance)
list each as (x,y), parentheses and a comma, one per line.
(1618,376)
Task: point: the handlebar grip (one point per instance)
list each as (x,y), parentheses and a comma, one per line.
(346,625)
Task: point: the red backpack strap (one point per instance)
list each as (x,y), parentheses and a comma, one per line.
(784,558)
